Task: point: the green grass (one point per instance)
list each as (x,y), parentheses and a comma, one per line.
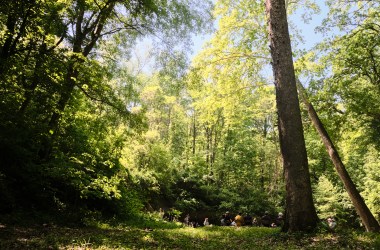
(174,236)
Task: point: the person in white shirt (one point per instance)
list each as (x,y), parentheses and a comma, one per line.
(206,222)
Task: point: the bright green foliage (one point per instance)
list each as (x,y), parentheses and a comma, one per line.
(85,132)
(343,73)
(68,108)
(210,144)
(353,77)
(372,181)
(233,111)
(356,77)
(347,15)
(332,201)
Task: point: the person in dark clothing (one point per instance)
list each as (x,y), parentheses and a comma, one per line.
(248,220)
(227,219)
(223,220)
(280,219)
(266,220)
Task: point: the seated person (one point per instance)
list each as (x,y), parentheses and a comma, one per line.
(266,220)
(331,223)
(280,219)
(227,218)
(206,222)
(247,220)
(233,223)
(239,220)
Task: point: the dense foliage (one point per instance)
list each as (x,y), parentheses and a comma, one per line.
(90,127)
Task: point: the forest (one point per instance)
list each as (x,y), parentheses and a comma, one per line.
(107,113)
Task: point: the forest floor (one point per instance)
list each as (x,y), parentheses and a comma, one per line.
(175,236)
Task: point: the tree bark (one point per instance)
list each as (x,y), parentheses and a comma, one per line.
(194,135)
(16,25)
(29,90)
(300,214)
(84,41)
(369,221)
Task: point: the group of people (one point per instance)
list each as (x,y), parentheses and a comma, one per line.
(187,221)
(269,221)
(266,220)
(238,220)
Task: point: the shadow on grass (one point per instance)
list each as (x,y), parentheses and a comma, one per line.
(174,236)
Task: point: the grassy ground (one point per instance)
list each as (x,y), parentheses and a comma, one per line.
(174,236)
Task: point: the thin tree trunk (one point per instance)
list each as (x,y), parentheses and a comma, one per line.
(262,156)
(361,208)
(300,214)
(4,50)
(46,145)
(194,135)
(12,38)
(35,79)
(215,147)
(71,77)
(169,123)
(208,132)
(80,46)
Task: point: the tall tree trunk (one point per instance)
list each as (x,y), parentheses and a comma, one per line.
(208,132)
(194,135)
(16,15)
(215,147)
(46,145)
(84,41)
(29,90)
(263,165)
(369,221)
(169,124)
(5,49)
(300,210)
(71,76)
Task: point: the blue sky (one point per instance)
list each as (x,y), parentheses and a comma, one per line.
(307,30)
